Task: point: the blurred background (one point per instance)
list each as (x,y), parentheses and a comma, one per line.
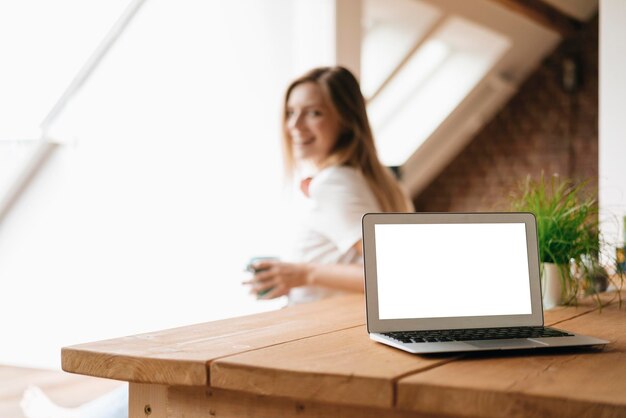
(140,159)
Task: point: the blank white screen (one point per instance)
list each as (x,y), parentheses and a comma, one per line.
(452,270)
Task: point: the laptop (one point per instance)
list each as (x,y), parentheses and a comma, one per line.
(455,282)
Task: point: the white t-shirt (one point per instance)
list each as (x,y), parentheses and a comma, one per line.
(330,224)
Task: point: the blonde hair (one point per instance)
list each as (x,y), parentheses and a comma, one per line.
(355,146)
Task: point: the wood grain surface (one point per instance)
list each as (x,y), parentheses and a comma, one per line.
(591,303)
(181,356)
(320,355)
(148,400)
(195,402)
(340,367)
(568,382)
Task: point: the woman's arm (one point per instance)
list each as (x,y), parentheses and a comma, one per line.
(277,278)
(337,276)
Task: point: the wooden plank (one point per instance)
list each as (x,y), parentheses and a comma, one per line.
(585,305)
(564,383)
(588,304)
(147,400)
(180,356)
(64,389)
(559,314)
(344,367)
(196,402)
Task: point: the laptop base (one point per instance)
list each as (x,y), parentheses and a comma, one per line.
(488,345)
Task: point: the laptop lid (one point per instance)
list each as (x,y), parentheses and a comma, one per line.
(432,271)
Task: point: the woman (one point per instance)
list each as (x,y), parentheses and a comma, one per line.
(328,143)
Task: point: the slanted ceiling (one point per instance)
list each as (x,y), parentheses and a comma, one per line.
(581,10)
(535,28)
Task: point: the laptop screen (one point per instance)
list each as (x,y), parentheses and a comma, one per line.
(452,270)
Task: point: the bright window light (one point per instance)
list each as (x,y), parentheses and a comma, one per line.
(169,179)
(432,84)
(42,46)
(405,86)
(391,28)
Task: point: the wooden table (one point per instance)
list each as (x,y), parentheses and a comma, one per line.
(316,360)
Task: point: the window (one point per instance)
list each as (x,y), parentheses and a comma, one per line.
(42,46)
(445,67)
(390,29)
(169,178)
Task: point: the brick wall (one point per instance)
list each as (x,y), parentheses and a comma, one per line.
(542,128)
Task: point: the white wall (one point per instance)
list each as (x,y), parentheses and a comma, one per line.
(326,32)
(612,129)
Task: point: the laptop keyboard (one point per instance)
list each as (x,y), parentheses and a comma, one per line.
(475,334)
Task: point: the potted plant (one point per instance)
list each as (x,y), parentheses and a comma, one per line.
(567,228)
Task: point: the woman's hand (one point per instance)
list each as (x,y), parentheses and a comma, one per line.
(275,278)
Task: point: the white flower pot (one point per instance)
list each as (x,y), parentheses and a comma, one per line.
(551,285)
